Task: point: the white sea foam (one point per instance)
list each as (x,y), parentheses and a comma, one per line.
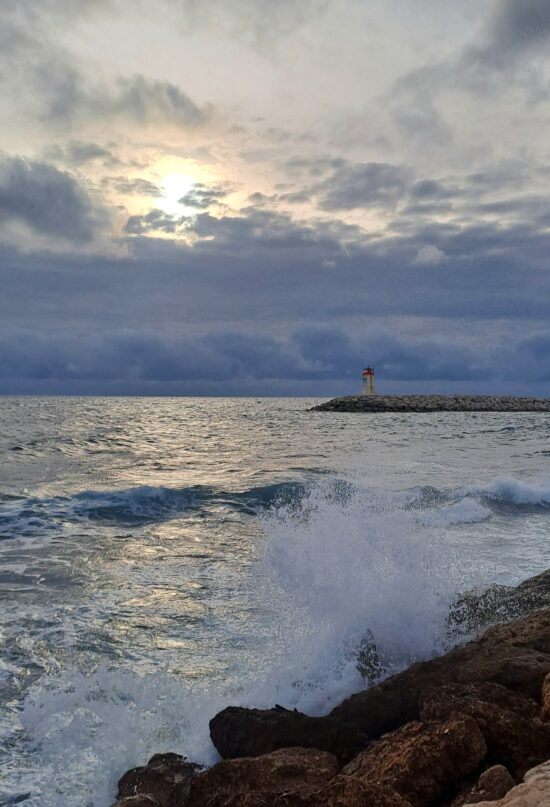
(507,490)
(465,511)
(337,563)
(334,567)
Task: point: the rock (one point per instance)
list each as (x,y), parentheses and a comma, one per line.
(516,656)
(368,660)
(434,403)
(545,698)
(344,791)
(508,721)
(137,801)
(473,612)
(260,781)
(166,779)
(239,732)
(535,792)
(494,783)
(421,761)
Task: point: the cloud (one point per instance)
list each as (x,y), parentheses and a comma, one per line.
(78,153)
(49,201)
(68,97)
(429,255)
(135,186)
(154,220)
(202,196)
(141,360)
(257,22)
(519,24)
(363,185)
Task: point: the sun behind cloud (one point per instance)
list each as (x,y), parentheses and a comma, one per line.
(174,187)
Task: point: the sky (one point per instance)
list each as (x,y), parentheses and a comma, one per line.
(260,197)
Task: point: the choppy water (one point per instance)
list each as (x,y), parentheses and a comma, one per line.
(161,558)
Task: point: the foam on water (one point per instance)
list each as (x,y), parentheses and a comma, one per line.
(513,492)
(337,564)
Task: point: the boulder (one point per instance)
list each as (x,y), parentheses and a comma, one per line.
(239,732)
(422,761)
(259,781)
(535,792)
(494,783)
(344,791)
(545,700)
(137,801)
(516,656)
(473,612)
(508,721)
(166,779)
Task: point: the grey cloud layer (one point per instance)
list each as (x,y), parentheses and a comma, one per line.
(48,201)
(407,225)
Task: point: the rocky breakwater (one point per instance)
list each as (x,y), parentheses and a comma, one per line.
(469,727)
(434,403)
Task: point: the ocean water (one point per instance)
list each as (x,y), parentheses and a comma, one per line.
(163,558)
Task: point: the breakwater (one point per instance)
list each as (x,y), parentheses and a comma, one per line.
(434,403)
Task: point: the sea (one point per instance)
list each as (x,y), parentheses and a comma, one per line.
(162,558)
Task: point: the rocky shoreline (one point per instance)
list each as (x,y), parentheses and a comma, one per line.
(469,727)
(433,403)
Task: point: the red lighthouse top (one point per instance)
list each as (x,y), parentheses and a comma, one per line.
(368,371)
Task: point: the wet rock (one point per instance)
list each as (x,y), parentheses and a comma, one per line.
(239,732)
(166,779)
(368,661)
(508,721)
(260,781)
(422,761)
(516,656)
(497,604)
(494,783)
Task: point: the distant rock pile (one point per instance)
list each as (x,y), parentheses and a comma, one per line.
(434,403)
(466,728)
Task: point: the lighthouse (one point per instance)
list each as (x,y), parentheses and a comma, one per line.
(368,382)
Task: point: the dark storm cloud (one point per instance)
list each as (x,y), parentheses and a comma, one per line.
(48,201)
(152,361)
(363,185)
(520,24)
(141,355)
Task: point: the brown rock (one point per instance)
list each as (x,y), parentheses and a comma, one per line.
(494,783)
(422,761)
(516,656)
(137,801)
(545,697)
(345,791)
(238,732)
(260,781)
(166,778)
(535,792)
(506,719)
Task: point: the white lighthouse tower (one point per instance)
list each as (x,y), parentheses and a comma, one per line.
(369,387)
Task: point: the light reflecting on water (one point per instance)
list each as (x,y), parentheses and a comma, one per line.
(196,550)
